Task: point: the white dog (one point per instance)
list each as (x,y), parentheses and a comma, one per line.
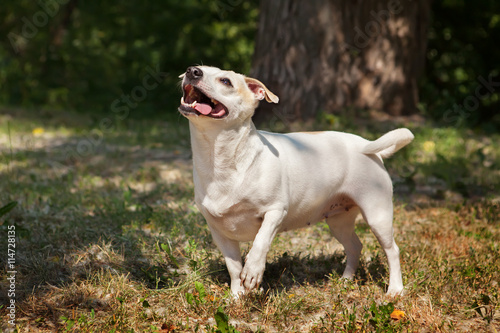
(250,184)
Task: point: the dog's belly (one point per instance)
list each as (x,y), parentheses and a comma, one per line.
(330,207)
(243,221)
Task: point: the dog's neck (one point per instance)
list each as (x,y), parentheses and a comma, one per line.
(218,151)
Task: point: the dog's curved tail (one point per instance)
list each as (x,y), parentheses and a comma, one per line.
(389,143)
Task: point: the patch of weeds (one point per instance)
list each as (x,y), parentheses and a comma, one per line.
(197,256)
(222,320)
(199,296)
(350,320)
(167,248)
(380,318)
(83,323)
(157,277)
(204,302)
(120,319)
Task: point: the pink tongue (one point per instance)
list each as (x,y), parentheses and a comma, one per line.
(203,108)
(218,111)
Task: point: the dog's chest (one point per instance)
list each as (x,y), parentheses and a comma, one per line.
(239,221)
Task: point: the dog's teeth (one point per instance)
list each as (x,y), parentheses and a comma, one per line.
(193,104)
(214,101)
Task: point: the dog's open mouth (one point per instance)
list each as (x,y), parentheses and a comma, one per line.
(194,101)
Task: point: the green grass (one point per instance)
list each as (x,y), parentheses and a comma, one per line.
(108,238)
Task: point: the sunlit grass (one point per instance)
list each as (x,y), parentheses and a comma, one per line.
(109,239)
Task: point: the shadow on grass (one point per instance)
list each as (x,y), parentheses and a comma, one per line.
(85,214)
(103,211)
(288,271)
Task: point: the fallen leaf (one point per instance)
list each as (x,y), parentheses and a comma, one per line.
(210,298)
(397,314)
(167,328)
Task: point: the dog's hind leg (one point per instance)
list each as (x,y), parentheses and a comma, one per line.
(342,228)
(377,211)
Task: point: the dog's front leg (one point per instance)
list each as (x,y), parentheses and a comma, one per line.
(255,262)
(231,251)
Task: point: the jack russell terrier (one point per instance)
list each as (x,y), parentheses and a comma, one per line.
(250,184)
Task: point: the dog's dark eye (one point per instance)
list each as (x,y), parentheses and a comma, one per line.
(226,82)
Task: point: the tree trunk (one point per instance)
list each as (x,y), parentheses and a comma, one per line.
(331,55)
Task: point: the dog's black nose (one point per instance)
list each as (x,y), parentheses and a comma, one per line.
(194,73)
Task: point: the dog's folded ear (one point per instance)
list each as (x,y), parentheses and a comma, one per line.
(260,90)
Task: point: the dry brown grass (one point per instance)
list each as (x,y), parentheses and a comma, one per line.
(110,241)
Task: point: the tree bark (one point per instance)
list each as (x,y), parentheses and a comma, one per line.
(57,32)
(331,55)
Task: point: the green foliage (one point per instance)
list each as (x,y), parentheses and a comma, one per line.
(199,297)
(462,57)
(381,317)
(145,303)
(7,208)
(82,322)
(350,318)
(222,320)
(85,56)
(125,57)
(167,248)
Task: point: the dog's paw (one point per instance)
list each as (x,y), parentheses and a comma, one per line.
(394,292)
(237,290)
(252,273)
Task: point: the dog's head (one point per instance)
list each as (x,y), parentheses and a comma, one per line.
(211,93)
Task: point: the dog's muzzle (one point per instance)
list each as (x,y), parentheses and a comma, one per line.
(194,73)
(194,101)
